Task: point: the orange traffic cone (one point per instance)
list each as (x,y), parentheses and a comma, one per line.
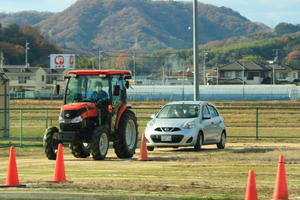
(59,173)
(280,190)
(251,193)
(12,179)
(143,149)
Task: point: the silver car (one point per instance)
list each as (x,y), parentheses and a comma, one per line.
(186,123)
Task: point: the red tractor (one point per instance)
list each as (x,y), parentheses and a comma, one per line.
(95,111)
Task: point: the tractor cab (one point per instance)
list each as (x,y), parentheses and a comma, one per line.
(105,89)
(94,112)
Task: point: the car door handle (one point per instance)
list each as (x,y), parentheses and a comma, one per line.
(212,123)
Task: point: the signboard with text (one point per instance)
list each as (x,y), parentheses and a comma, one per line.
(62,61)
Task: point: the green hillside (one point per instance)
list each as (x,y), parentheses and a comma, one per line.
(164,61)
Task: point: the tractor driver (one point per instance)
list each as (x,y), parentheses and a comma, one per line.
(101,101)
(99,94)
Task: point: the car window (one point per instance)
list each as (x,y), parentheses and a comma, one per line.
(179,111)
(213,111)
(205,111)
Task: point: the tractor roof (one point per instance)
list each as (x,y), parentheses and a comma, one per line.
(98,72)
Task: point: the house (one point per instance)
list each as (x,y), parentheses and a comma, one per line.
(24,79)
(284,74)
(252,73)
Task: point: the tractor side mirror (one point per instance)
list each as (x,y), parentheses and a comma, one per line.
(116,90)
(56,91)
(127,84)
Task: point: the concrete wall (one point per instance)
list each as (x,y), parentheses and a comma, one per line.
(4,104)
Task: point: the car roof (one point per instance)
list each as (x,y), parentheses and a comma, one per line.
(188,102)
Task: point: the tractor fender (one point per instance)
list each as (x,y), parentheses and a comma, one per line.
(121,110)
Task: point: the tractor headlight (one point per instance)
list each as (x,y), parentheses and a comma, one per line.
(61,119)
(70,121)
(76,120)
(190,124)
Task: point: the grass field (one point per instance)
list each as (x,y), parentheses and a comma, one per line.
(210,174)
(170,174)
(275,119)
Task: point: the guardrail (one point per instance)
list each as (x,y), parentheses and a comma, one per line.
(27,125)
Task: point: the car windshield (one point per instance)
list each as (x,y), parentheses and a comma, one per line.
(179,111)
(82,88)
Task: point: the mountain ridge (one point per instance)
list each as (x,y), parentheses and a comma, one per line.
(139,25)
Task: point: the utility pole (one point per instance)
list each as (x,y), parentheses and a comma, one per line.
(26,53)
(217,75)
(1,59)
(195,47)
(204,68)
(163,75)
(134,65)
(99,59)
(276,60)
(243,65)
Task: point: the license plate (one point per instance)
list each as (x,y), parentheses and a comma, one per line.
(166,138)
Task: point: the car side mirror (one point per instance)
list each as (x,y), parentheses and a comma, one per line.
(152,116)
(116,90)
(206,116)
(56,90)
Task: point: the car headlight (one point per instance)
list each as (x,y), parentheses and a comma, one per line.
(150,124)
(190,124)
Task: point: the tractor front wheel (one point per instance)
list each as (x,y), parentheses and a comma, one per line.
(80,150)
(50,142)
(100,144)
(126,135)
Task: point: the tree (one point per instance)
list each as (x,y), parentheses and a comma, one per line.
(284,28)
(121,61)
(254,58)
(293,58)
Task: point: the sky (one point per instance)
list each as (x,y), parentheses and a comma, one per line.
(269,12)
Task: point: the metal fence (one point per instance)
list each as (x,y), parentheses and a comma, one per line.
(27,125)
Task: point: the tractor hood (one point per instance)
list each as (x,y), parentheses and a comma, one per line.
(84,109)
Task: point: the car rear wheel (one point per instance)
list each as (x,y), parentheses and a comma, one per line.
(199,142)
(221,144)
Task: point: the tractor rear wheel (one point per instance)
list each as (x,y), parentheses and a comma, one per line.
(100,144)
(126,135)
(80,150)
(50,142)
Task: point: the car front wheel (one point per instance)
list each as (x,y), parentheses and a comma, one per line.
(198,145)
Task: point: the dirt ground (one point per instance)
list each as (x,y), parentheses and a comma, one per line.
(169,174)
